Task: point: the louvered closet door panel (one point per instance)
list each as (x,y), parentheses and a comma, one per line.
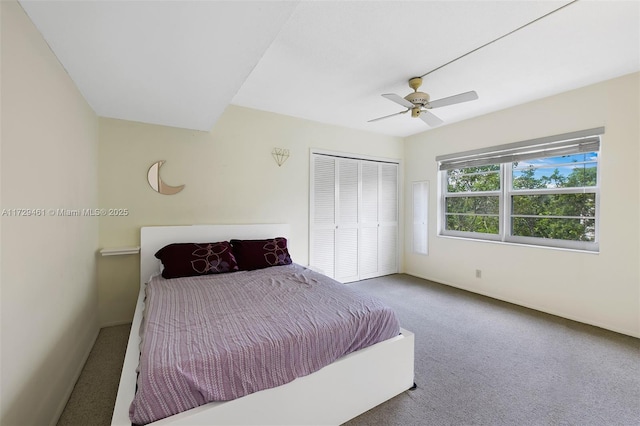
(368,256)
(347,191)
(388,211)
(324,198)
(370,188)
(324,241)
(388,193)
(323,218)
(388,250)
(369,211)
(346,254)
(347,220)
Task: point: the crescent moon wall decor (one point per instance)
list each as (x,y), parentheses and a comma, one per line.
(153,176)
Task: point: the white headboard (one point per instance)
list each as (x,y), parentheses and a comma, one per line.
(153,238)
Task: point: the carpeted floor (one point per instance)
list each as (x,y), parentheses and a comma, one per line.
(478,361)
(92,400)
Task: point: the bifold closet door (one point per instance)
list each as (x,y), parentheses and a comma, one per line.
(379,220)
(354,217)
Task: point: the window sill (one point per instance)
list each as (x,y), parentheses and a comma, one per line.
(526,245)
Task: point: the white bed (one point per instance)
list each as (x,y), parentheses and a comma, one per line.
(330,396)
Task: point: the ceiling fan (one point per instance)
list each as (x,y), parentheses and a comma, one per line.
(419,105)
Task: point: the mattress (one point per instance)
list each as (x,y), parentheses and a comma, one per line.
(221,337)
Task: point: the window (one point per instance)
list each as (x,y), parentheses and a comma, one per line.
(540,192)
(472,200)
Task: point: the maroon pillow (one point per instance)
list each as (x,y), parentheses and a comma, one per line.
(190,259)
(258,254)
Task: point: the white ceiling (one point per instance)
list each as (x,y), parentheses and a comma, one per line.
(181,63)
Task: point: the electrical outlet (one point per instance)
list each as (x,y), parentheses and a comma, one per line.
(478,273)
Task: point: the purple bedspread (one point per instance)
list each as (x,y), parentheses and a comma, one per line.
(220,337)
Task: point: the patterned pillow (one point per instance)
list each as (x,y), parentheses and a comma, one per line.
(258,254)
(190,259)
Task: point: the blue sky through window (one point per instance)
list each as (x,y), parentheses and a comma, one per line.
(546,166)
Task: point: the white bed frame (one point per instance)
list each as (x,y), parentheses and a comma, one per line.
(331,396)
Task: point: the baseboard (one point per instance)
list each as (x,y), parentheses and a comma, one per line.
(76,376)
(531,306)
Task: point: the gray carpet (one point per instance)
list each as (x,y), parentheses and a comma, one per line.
(478,361)
(93,397)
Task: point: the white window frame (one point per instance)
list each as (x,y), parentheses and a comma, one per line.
(504,156)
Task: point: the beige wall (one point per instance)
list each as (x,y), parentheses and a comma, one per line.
(49,291)
(601,289)
(230,177)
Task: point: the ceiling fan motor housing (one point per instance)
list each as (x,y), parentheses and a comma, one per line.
(418,98)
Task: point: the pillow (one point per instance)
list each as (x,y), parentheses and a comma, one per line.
(190,259)
(258,254)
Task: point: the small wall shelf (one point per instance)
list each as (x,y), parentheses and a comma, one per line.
(119,251)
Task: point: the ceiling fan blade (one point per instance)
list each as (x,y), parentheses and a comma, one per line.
(455,99)
(387,116)
(429,118)
(399,100)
